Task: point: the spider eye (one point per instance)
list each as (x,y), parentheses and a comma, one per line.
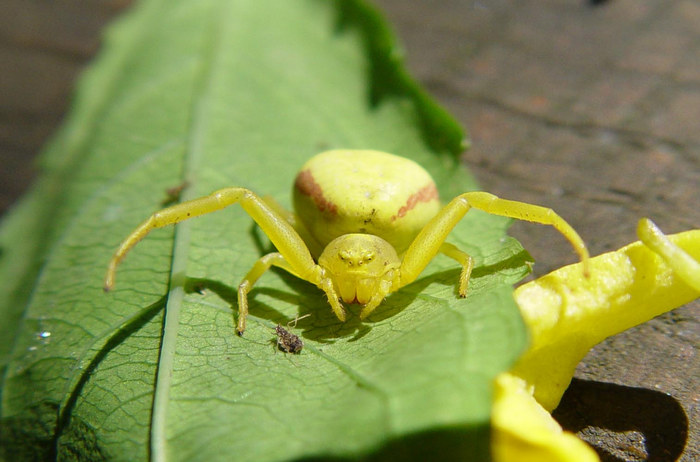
(346,257)
(355,257)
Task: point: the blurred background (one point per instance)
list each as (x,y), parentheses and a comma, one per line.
(589,107)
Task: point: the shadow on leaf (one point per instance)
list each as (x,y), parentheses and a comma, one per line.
(442,444)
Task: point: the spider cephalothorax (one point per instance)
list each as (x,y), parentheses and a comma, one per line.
(367,223)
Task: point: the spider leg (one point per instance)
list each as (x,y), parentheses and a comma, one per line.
(463,259)
(431,239)
(280,232)
(326,284)
(314,246)
(246,285)
(385,288)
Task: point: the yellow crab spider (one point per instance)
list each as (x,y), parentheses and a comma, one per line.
(367,223)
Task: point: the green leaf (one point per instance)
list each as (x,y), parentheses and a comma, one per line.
(211,94)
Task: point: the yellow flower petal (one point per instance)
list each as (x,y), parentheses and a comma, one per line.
(568,314)
(524,431)
(681,262)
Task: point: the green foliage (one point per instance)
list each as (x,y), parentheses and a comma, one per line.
(216,93)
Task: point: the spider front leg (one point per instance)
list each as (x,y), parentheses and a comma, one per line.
(294,255)
(277,259)
(246,285)
(463,259)
(431,239)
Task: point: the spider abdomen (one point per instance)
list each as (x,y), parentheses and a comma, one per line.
(370,192)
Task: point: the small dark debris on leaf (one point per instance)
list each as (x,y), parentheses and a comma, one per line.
(288,342)
(173,194)
(597,2)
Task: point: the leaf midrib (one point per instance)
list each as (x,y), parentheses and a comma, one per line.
(181,243)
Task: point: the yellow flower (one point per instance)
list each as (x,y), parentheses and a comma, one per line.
(567,314)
